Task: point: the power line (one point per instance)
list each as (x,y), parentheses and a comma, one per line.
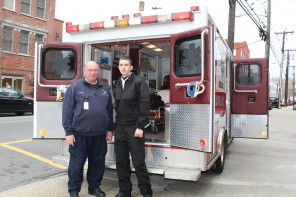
(262,31)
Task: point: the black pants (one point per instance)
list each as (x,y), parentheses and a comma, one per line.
(126,143)
(94,148)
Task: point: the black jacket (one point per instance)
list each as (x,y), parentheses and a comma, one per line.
(132,103)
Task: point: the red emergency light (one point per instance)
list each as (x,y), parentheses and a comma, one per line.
(194,8)
(202,143)
(71,28)
(97,25)
(114,17)
(149,19)
(181,16)
(125,16)
(137,14)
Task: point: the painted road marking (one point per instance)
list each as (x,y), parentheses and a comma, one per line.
(5,145)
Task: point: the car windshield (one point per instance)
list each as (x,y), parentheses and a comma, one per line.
(9,92)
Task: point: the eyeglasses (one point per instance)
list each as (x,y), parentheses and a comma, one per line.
(93,70)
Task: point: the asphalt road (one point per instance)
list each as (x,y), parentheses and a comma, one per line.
(17,166)
(253,167)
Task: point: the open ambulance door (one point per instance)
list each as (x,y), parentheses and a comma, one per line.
(191,87)
(249,98)
(57,65)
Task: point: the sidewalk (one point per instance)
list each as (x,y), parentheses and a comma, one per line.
(57,187)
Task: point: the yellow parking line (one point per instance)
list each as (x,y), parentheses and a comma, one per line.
(17,141)
(5,145)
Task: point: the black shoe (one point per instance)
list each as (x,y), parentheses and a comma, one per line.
(148,195)
(97,192)
(123,195)
(74,195)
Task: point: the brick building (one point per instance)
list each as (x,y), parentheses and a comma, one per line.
(22,23)
(241,50)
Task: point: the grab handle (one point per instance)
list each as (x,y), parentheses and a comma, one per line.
(203,33)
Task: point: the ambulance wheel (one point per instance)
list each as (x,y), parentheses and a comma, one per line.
(155,129)
(219,165)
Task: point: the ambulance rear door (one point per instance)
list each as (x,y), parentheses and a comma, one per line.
(249,98)
(57,65)
(191,116)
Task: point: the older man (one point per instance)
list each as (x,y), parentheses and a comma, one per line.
(88,121)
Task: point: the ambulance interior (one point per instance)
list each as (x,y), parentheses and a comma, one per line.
(151,60)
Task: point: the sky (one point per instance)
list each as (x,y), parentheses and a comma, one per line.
(282,19)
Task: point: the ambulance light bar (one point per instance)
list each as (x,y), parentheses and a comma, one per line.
(71,28)
(136,19)
(149,19)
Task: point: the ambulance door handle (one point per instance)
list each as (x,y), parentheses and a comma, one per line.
(203,33)
(234,82)
(178,85)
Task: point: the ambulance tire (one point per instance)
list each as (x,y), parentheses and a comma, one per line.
(219,165)
(155,129)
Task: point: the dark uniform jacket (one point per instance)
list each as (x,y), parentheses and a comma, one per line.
(132,103)
(96,120)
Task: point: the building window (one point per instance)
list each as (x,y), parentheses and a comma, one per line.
(7,38)
(41,9)
(39,38)
(24,42)
(26,7)
(9,4)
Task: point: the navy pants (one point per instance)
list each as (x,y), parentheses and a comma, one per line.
(126,143)
(93,148)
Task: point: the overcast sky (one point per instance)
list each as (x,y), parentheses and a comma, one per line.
(283,19)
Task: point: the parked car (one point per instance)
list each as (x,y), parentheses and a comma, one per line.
(13,101)
(273,102)
(289,102)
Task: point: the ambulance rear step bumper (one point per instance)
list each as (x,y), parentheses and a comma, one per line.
(168,172)
(182,174)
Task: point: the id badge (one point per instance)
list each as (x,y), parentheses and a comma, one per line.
(85,105)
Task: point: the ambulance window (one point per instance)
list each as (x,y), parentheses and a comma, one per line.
(59,63)
(248,74)
(188,57)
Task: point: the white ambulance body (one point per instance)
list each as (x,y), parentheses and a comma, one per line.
(211,98)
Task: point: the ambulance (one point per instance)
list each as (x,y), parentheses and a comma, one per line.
(210,98)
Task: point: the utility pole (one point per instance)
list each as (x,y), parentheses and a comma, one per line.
(267,43)
(294,104)
(231,24)
(281,66)
(294,89)
(287,76)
